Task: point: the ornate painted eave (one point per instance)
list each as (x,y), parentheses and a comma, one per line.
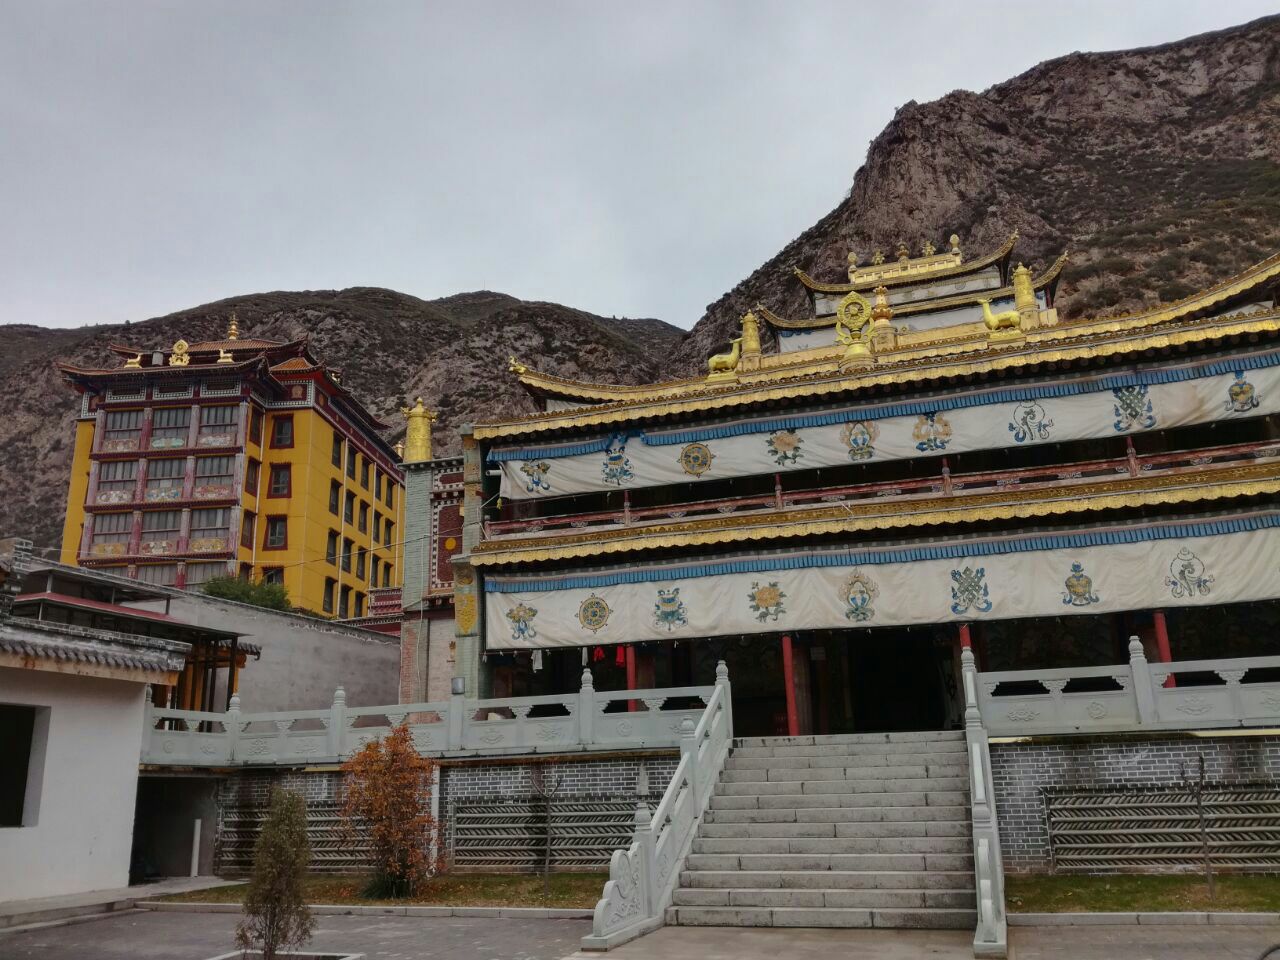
(1046,281)
(999,255)
(844,519)
(924,357)
(87,374)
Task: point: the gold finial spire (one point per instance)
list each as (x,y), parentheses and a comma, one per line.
(881,313)
(233,328)
(417,437)
(954,240)
(750,334)
(399,449)
(1024,294)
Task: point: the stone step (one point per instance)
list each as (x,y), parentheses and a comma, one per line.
(829,861)
(909,751)
(924,919)
(955,813)
(779,772)
(729,787)
(859,739)
(860,807)
(878,828)
(901,899)
(857,761)
(827,879)
(833,845)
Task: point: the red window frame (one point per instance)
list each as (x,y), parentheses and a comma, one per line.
(256,418)
(275,431)
(271,481)
(266,532)
(252,472)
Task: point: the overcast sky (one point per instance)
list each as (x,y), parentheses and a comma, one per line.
(625,158)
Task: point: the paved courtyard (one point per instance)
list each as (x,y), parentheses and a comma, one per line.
(198,936)
(194,936)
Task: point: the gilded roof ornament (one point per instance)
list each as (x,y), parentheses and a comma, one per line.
(233,328)
(179,357)
(417,437)
(954,240)
(224,356)
(929,248)
(877,258)
(134,362)
(902,253)
(515,366)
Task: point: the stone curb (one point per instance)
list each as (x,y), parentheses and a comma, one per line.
(338,909)
(1141,919)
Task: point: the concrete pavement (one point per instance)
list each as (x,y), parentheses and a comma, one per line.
(192,936)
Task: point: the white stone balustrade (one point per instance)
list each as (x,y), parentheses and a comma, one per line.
(643,876)
(1136,699)
(584,721)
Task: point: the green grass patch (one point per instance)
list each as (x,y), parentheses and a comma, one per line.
(1132,893)
(449,890)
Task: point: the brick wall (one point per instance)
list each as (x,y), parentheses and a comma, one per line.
(1023,770)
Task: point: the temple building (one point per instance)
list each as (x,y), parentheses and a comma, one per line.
(234,457)
(931,459)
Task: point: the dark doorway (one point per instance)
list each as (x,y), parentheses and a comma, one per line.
(896,682)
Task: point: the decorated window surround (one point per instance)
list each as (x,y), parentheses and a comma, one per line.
(1224,558)
(1084,407)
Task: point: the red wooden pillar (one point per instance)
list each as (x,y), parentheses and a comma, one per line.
(788,680)
(631,673)
(966,642)
(1162,642)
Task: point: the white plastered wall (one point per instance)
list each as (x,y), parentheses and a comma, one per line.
(83,779)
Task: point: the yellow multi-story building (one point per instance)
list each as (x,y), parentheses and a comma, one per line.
(235,456)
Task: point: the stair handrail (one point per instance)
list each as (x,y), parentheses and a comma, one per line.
(642,876)
(990,938)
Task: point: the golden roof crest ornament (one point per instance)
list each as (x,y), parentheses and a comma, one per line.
(877,258)
(179,357)
(224,356)
(929,249)
(134,362)
(417,436)
(954,240)
(233,328)
(515,366)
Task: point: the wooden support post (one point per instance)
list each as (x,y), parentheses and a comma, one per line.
(966,641)
(1162,642)
(789,681)
(631,673)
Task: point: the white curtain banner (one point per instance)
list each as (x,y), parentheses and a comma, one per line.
(1141,568)
(958,423)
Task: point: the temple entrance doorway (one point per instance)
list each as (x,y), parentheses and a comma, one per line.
(880,681)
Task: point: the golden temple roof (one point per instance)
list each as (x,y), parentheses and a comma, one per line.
(910,270)
(915,357)
(1046,279)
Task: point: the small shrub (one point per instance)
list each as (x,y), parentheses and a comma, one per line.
(387,804)
(259,593)
(275,913)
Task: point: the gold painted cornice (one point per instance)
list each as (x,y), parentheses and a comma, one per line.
(960,269)
(923,306)
(1209,484)
(814,377)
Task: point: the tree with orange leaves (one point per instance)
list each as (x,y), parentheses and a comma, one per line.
(387,803)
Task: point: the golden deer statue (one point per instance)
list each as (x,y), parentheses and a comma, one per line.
(722,366)
(1008,320)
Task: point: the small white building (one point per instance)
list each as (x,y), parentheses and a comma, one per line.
(71,716)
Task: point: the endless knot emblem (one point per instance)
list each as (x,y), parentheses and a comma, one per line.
(969,590)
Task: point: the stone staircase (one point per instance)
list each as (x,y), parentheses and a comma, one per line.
(859,830)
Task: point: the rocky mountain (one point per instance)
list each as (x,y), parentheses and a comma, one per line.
(390,347)
(1159,169)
